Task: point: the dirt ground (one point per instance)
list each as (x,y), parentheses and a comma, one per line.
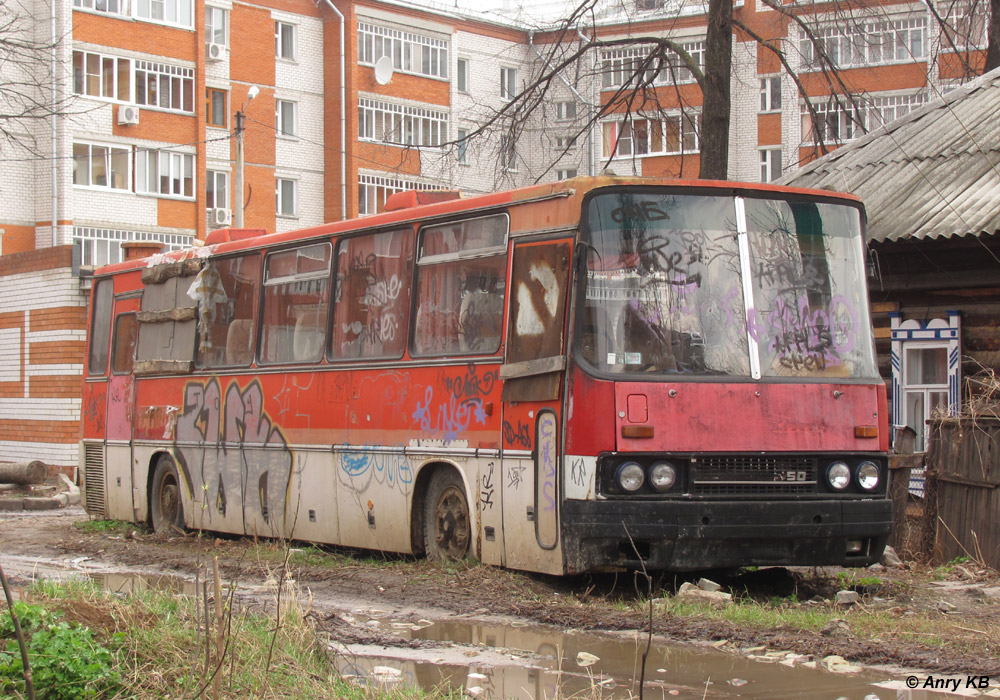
(961,601)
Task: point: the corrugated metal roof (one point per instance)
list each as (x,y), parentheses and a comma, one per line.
(934,173)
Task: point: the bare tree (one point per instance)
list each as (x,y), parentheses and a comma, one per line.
(653,80)
(29,68)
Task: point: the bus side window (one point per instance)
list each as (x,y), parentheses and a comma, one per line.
(123,347)
(100,328)
(227,291)
(461,280)
(371,313)
(296,304)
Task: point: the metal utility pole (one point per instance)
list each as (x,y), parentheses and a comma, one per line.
(238,175)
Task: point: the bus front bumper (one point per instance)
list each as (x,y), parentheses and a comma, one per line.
(612,535)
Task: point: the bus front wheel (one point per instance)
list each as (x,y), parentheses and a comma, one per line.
(446,517)
(167,511)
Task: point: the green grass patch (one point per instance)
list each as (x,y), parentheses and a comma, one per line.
(150,644)
(107,526)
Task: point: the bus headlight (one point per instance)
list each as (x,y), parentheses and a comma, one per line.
(867,476)
(838,476)
(662,476)
(630,477)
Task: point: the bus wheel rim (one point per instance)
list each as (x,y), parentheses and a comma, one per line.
(169,500)
(452,519)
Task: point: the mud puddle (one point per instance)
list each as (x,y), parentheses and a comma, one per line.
(529,662)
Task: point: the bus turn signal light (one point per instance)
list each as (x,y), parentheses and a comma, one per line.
(865,431)
(637,431)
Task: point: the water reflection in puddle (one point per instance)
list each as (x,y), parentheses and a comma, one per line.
(536,663)
(532,663)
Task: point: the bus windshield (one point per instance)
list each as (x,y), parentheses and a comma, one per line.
(674,286)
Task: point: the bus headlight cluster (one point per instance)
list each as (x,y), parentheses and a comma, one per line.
(631,476)
(866,476)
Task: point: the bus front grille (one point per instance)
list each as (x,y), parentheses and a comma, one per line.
(748,475)
(93,478)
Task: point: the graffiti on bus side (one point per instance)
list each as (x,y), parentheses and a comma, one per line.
(449,417)
(231,452)
(361,466)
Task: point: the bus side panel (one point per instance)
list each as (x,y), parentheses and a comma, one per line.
(311,511)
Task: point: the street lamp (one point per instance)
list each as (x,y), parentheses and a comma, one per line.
(238,177)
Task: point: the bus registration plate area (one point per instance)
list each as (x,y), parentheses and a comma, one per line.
(743,475)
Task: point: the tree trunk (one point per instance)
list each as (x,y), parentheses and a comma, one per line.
(993,37)
(33,472)
(715,88)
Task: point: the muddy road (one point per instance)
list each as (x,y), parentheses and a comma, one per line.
(423,622)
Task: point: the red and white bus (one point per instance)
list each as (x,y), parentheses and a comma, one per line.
(569,377)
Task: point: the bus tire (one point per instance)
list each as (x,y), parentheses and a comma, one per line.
(165,502)
(447,530)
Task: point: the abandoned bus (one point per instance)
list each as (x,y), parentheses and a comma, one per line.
(590,375)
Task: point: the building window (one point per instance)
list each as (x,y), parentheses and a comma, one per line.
(854,44)
(215,107)
(102,246)
(770,94)
(508,157)
(373,190)
(965,25)
(96,75)
(565,143)
(401,125)
(508,83)
(926,373)
(284,40)
(165,173)
(639,137)
(101,166)
(621,66)
(770,164)
(410,53)
(284,194)
(462,146)
(216,21)
(462,79)
(111,7)
(840,121)
(179,12)
(284,117)
(216,189)
(566,110)
(164,86)
(565,174)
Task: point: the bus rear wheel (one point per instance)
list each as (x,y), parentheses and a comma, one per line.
(447,531)
(167,511)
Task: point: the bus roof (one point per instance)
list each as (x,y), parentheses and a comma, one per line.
(232,241)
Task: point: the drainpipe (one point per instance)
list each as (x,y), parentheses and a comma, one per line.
(590,105)
(343,114)
(54,117)
(576,94)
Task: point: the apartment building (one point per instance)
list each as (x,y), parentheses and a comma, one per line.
(337,105)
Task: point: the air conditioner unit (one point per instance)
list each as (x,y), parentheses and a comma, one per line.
(215,52)
(128,114)
(222,217)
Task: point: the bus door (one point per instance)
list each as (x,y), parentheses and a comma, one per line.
(121,404)
(533,374)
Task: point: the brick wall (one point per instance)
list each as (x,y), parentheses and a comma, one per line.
(42,346)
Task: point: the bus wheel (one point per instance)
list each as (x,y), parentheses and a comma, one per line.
(167,511)
(446,517)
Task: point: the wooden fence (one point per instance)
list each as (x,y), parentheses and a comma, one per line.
(964,486)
